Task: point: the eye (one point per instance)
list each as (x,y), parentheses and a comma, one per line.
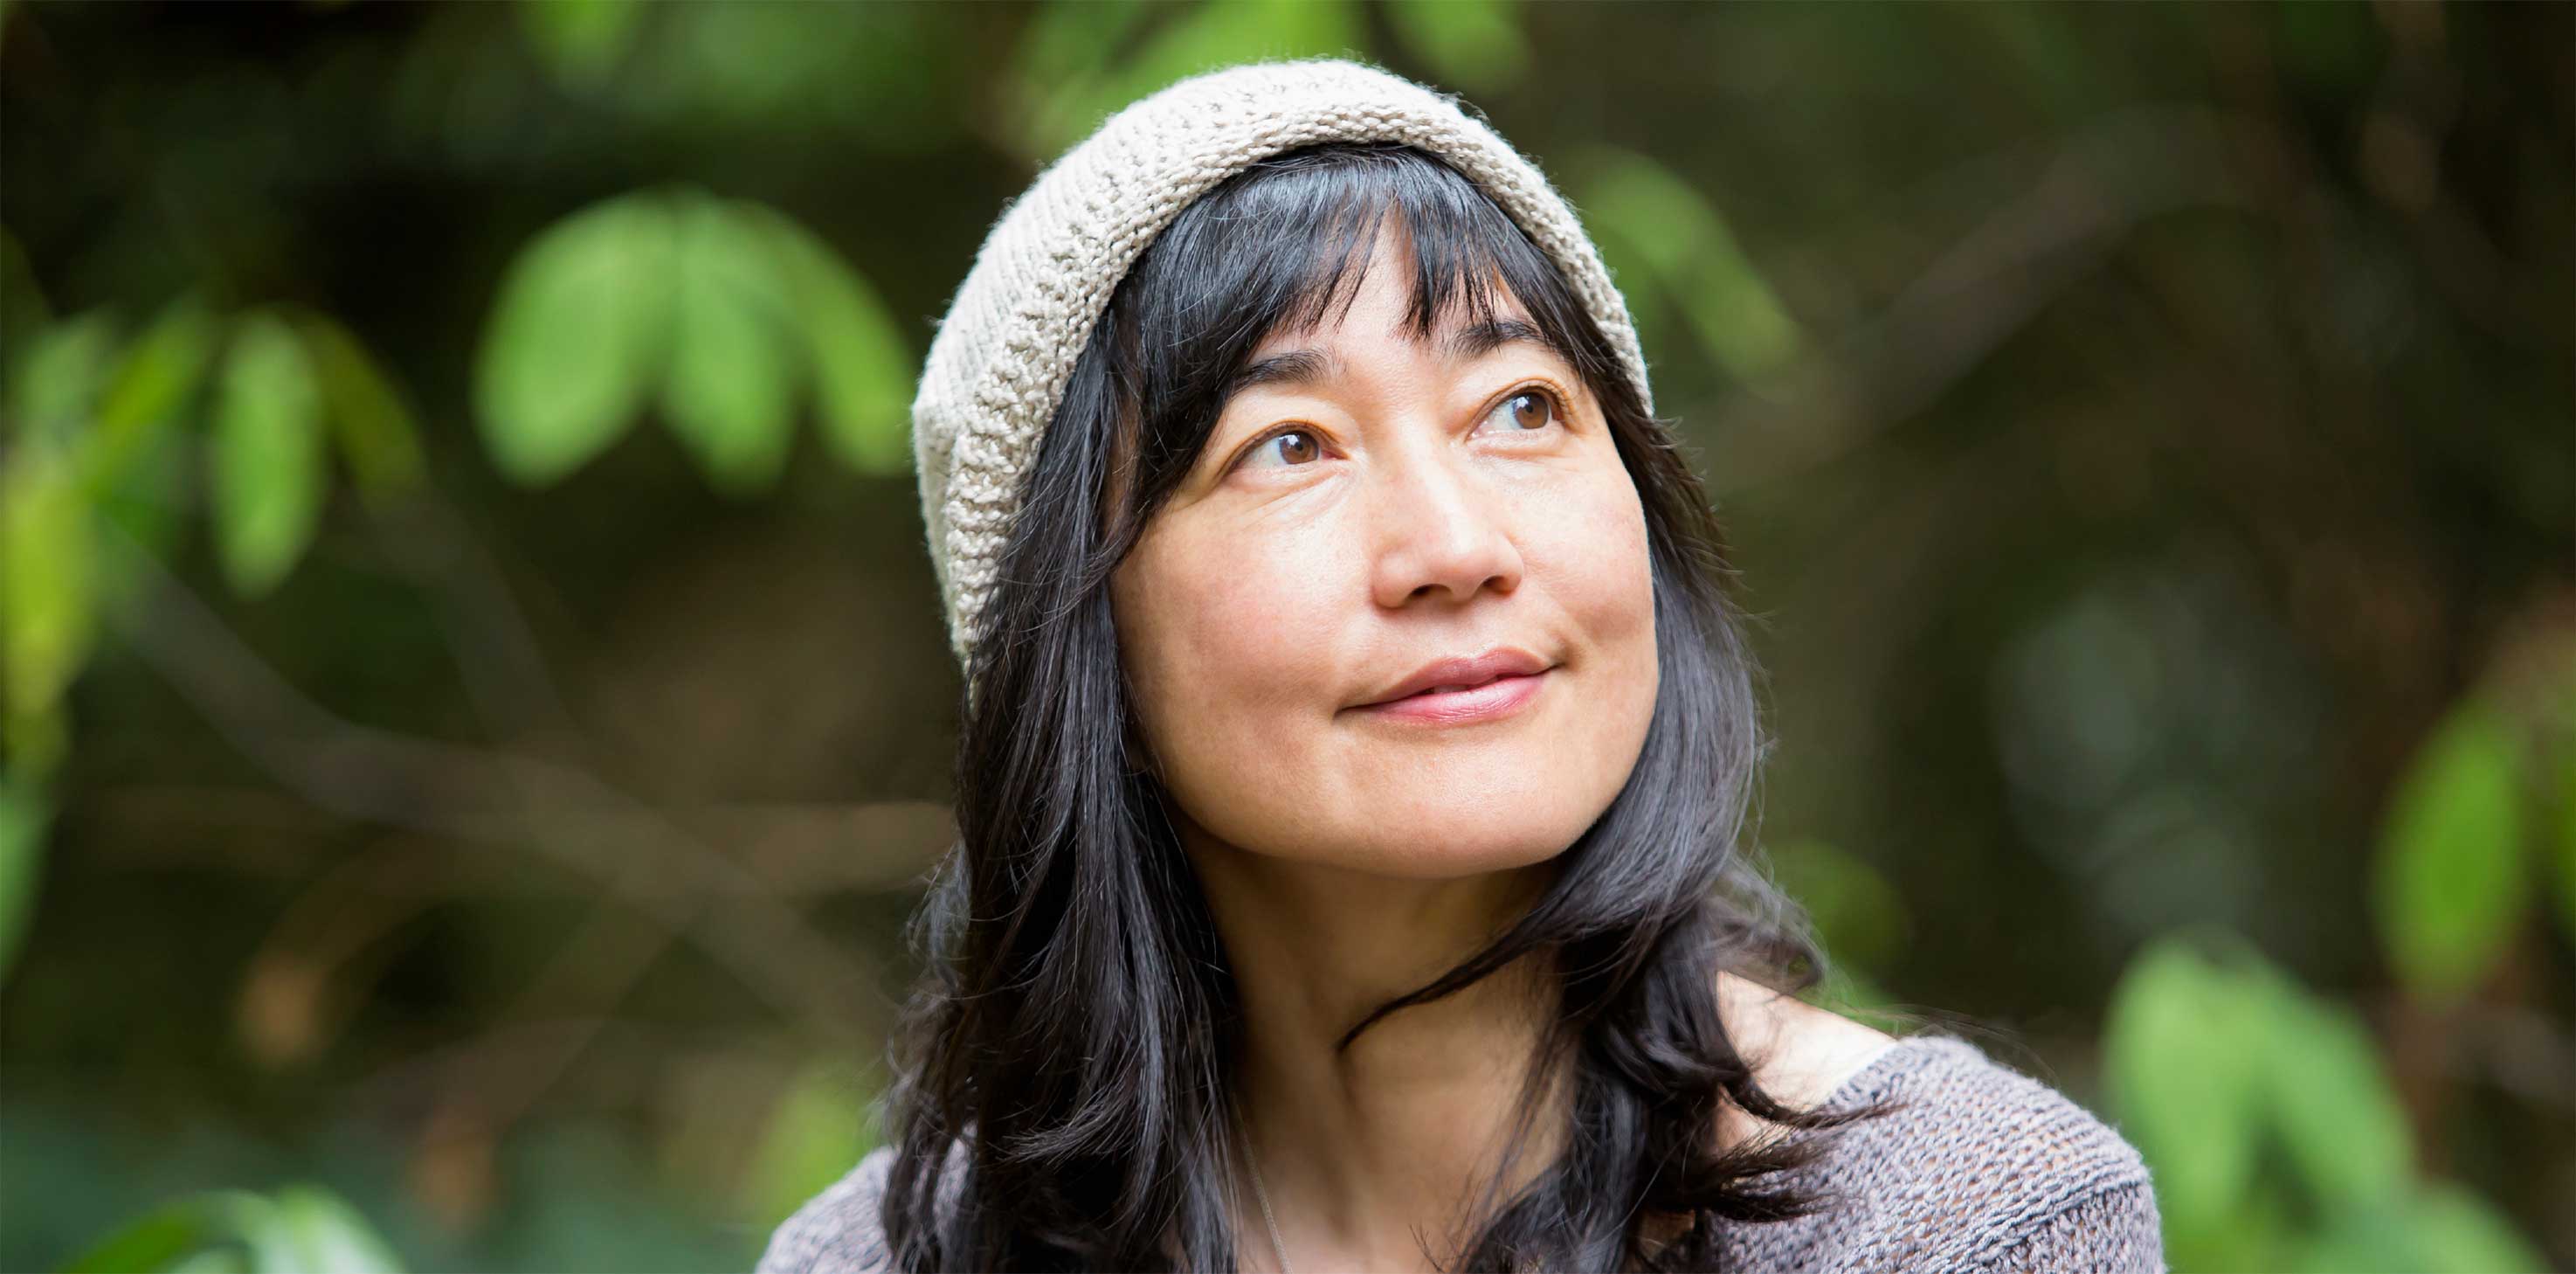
(1528,410)
(1285,448)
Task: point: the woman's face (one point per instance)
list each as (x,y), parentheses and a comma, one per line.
(1367,509)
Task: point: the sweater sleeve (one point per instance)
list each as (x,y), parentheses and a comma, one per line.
(1980,1169)
(2114,1231)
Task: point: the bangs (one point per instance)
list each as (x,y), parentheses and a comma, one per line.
(1330,231)
(1282,247)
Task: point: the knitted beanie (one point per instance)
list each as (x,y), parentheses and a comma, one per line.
(1003,354)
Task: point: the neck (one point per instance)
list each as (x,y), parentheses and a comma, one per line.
(1362,1149)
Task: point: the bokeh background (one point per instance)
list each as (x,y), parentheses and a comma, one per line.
(477,708)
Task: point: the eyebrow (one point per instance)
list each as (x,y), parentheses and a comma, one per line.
(1306,366)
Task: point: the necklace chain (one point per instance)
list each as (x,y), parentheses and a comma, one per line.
(1262,1194)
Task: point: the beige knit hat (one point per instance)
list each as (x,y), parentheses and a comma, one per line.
(999,364)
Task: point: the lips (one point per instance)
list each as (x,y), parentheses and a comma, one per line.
(1454,675)
(1500,699)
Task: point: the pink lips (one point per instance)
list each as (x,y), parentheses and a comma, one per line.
(1497,698)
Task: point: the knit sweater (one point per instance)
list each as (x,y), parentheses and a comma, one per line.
(1985,1169)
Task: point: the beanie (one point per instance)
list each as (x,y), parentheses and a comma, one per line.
(1001,357)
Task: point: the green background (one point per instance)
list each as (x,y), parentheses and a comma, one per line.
(477,709)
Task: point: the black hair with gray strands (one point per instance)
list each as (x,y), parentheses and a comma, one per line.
(1077,1026)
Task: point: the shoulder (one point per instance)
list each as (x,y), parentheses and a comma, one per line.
(1979,1166)
(838,1231)
(1801,1053)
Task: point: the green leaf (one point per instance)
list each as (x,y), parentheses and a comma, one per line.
(2183,1051)
(303,1230)
(51,392)
(214,1260)
(2459,1233)
(1685,247)
(2359,1243)
(24,814)
(2449,886)
(159,1239)
(323,1235)
(260,1224)
(2337,1115)
(155,1242)
(151,502)
(2262,1230)
(576,340)
(863,372)
(731,392)
(50,622)
(2555,764)
(1474,45)
(137,467)
(150,389)
(269,479)
(821,1127)
(2434,1229)
(375,431)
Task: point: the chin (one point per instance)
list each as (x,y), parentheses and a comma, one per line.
(1427,859)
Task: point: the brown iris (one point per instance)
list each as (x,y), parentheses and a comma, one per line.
(1534,415)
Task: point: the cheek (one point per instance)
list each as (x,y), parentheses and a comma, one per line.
(1219,633)
(1597,566)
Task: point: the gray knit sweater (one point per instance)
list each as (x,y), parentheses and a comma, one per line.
(1986,1169)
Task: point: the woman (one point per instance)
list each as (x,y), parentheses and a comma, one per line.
(1357,743)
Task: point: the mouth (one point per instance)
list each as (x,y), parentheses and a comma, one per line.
(1460,673)
(1492,699)
(1460,688)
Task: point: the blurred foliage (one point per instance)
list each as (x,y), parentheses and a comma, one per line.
(726,306)
(467,744)
(1082,62)
(299,1230)
(2266,1114)
(1661,233)
(2275,1137)
(2452,882)
(822,1124)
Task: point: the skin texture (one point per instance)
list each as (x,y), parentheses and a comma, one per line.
(1427,506)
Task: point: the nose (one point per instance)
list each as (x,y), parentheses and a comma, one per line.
(1440,530)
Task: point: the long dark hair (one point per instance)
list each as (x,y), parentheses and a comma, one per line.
(1069,1050)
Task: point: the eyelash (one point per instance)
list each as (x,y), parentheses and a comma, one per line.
(1555,404)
